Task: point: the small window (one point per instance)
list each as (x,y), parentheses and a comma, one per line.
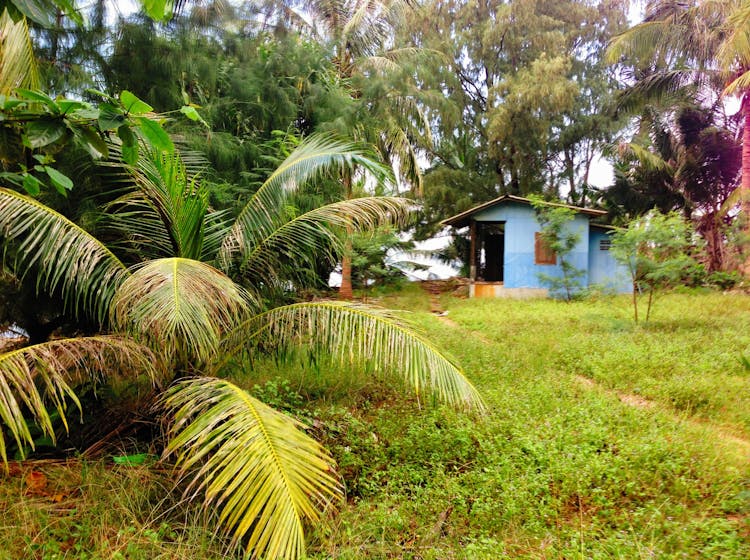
(605,244)
(542,252)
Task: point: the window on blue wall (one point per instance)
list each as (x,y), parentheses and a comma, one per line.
(543,253)
(605,244)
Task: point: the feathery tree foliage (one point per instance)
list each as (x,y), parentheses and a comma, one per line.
(164,287)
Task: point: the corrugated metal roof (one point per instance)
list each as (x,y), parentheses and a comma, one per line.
(462,219)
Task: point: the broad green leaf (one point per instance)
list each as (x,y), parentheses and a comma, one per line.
(38,11)
(31,185)
(129,144)
(110,117)
(43,133)
(61,182)
(93,142)
(156,9)
(191,113)
(99,93)
(69,105)
(134,105)
(31,95)
(155,134)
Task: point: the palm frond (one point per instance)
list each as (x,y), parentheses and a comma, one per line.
(181,306)
(264,213)
(168,207)
(739,85)
(354,333)
(647,158)
(67,257)
(256,464)
(18,67)
(306,239)
(35,377)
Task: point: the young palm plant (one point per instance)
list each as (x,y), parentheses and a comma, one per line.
(175,313)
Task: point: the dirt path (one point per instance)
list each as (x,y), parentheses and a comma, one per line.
(434,288)
(741,444)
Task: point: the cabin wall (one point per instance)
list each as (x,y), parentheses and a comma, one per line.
(520,271)
(604,270)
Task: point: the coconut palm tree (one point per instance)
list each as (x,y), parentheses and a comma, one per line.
(163,293)
(384,111)
(699,47)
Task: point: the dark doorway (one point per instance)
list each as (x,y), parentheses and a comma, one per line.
(490,246)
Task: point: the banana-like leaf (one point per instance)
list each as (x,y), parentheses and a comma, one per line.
(264,213)
(18,68)
(67,257)
(257,465)
(35,377)
(316,234)
(181,306)
(355,333)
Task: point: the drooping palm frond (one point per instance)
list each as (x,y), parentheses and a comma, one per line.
(355,333)
(67,257)
(264,213)
(649,160)
(36,377)
(18,67)
(181,306)
(305,239)
(256,464)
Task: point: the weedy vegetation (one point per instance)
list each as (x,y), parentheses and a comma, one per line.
(604,439)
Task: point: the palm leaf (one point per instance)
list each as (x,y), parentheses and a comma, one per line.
(256,464)
(351,333)
(264,213)
(67,257)
(166,213)
(304,240)
(182,306)
(34,377)
(18,68)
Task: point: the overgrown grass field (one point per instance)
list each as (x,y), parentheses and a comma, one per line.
(603,439)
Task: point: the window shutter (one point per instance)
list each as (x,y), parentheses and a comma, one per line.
(542,252)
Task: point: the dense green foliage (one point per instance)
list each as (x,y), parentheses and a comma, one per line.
(604,439)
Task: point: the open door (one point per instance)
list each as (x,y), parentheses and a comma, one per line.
(490,251)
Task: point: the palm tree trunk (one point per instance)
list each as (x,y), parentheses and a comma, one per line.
(745,184)
(345,291)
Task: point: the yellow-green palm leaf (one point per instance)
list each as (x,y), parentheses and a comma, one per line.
(66,256)
(181,306)
(265,213)
(317,234)
(256,464)
(18,68)
(355,333)
(35,377)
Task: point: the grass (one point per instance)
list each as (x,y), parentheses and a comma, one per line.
(604,440)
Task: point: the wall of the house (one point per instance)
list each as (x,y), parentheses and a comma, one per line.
(604,270)
(520,271)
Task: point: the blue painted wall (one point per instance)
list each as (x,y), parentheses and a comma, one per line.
(520,271)
(520,226)
(604,270)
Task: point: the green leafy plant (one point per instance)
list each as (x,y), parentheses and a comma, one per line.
(559,236)
(178,301)
(654,249)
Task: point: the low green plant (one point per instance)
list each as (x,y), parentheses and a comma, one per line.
(559,236)
(654,250)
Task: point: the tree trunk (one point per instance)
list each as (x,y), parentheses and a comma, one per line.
(745,184)
(345,291)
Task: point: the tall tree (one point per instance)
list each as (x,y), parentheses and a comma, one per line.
(525,96)
(696,46)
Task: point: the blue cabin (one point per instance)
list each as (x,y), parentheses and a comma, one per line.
(507,254)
